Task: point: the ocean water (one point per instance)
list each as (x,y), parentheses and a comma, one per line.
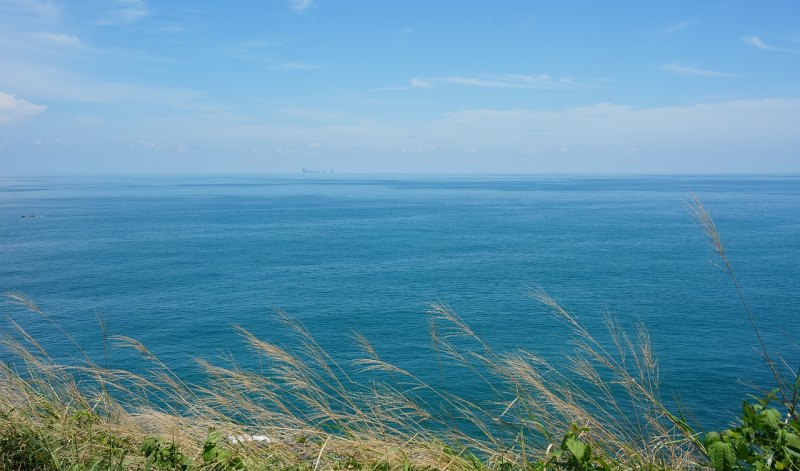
(176,261)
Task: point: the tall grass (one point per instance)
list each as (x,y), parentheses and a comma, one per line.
(305,410)
(787,387)
(395,418)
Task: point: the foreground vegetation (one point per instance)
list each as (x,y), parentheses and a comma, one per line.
(305,411)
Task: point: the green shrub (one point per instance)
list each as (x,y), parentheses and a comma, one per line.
(574,455)
(164,455)
(764,440)
(216,458)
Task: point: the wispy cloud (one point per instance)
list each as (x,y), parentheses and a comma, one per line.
(704,137)
(301,5)
(735,136)
(757,43)
(298,66)
(171,28)
(43,9)
(677,27)
(13,109)
(253,51)
(395,88)
(417,82)
(56,38)
(126,12)
(520,81)
(677,68)
(316,115)
(53,83)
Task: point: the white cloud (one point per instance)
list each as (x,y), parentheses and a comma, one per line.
(127,12)
(64,85)
(172,28)
(298,66)
(56,38)
(756,42)
(519,81)
(13,109)
(395,88)
(755,136)
(677,27)
(301,5)
(677,68)
(417,83)
(513,81)
(44,9)
(742,135)
(680,137)
(316,114)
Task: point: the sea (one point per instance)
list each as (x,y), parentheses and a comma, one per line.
(178,262)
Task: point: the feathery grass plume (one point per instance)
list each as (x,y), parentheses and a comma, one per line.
(388,416)
(613,392)
(704,220)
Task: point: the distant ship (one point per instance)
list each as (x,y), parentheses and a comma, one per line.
(307,170)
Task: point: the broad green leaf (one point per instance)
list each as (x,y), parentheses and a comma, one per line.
(771,418)
(722,456)
(793,441)
(576,447)
(711,437)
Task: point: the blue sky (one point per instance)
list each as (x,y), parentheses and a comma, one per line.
(272,86)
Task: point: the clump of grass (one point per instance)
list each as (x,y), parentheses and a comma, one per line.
(601,410)
(317,415)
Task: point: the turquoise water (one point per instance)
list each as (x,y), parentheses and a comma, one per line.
(175,261)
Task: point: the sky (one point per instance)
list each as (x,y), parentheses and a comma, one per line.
(399,86)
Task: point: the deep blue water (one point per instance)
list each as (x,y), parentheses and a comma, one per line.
(175,261)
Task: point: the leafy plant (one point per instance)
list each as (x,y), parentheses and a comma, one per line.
(763,441)
(164,455)
(575,454)
(217,458)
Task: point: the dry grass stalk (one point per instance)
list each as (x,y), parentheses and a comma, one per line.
(393,417)
(704,219)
